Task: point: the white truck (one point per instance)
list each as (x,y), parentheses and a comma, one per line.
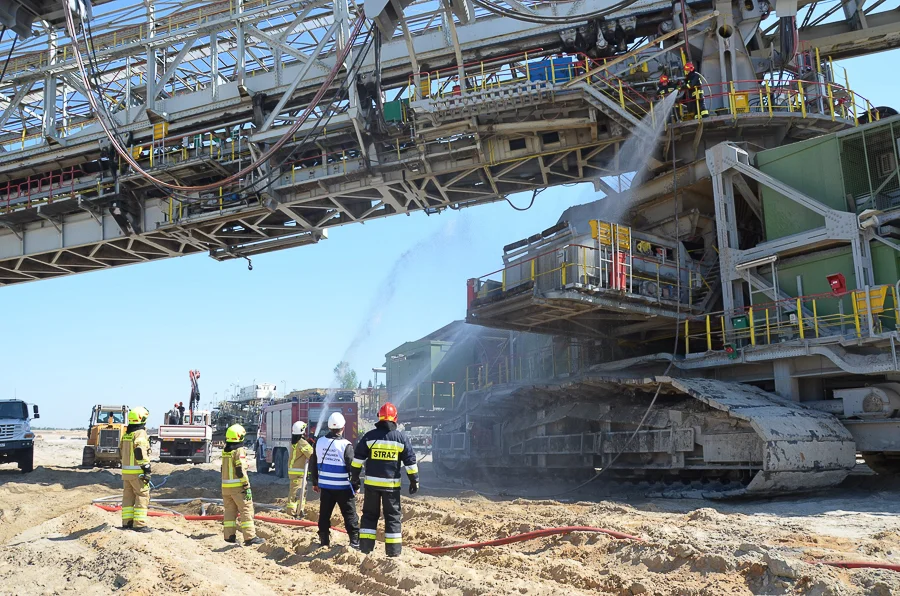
(189,442)
(16,438)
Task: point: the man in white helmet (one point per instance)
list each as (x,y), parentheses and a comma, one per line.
(330,474)
(301,451)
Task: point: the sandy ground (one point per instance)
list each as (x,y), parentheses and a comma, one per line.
(53,541)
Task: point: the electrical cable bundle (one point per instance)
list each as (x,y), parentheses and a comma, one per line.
(124,153)
(309,137)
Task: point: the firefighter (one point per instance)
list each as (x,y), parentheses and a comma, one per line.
(135,450)
(383,450)
(693,86)
(236,494)
(301,451)
(330,472)
(664,87)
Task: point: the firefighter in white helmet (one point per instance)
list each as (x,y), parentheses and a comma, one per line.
(301,451)
(135,450)
(330,473)
(236,494)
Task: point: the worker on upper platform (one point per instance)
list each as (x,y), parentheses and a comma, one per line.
(330,472)
(298,466)
(664,87)
(135,450)
(383,450)
(693,86)
(236,494)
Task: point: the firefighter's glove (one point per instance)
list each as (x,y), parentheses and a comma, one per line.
(354,481)
(146,469)
(248,494)
(413,486)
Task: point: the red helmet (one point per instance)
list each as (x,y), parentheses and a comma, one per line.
(388,412)
(664,79)
(689,67)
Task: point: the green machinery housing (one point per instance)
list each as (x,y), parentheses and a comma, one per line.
(851,171)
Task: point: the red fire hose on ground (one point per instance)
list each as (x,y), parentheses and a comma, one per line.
(858,564)
(428,550)
(523,537)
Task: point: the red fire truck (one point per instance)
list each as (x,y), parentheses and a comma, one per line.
(273,441)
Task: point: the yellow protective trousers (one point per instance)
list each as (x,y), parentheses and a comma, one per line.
(135,500)
(233,499)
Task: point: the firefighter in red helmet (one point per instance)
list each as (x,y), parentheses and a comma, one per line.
(664,87)
(383,450)
(693,87)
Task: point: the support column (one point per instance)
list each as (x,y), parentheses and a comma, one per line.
(150,83)
(50,87)
(786,385)
(214,64)
(241,65)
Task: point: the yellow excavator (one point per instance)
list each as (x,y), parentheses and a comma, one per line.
(105,429)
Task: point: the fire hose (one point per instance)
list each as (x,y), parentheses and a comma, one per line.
(440,550)
(428,550)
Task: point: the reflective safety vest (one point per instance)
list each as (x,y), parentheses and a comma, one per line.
(301,451)
(231,460)
(138,438)
(331,468)
(383,450)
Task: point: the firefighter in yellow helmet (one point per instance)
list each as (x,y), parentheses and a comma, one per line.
(298,466)
(236,495)
(135,450)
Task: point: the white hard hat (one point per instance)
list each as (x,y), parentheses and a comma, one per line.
(336,421)
(299,428)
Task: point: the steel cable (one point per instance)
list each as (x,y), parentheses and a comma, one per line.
(329,79)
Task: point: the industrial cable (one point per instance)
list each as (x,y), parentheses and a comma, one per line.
(534,195)
(496,9)
(329,79)
(251,188)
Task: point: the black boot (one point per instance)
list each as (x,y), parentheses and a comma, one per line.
(254,541)
(128,525)
(143,530)
(231,539)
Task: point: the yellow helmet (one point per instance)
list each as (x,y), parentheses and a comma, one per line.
(138,415)
(235,434)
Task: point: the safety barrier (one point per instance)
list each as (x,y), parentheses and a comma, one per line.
(47,188)
(601,267)
(480,76)
(793,96)
(857,314)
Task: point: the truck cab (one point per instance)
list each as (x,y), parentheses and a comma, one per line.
(187,443)
(105,430)
(16,438)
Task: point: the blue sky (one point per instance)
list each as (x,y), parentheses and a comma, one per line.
(130,335)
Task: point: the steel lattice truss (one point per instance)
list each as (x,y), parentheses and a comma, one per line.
(197,90)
